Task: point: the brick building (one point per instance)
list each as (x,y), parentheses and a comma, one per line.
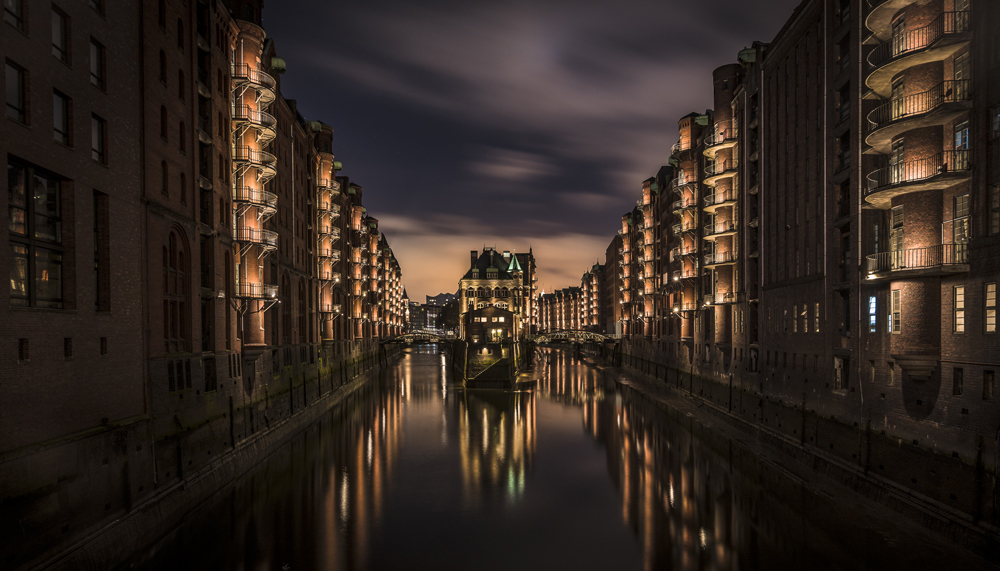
(829,233)
(500,279)
(561,310)
(182,227)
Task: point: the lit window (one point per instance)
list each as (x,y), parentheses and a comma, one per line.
(895,323)
(795,319)
(959,310)
(990,306)
(872,312)
(35,225)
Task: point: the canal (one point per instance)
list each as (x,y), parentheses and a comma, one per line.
(586,472)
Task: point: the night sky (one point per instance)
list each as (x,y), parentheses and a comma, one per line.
(513,123)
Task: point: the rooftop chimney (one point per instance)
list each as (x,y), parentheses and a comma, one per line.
(474,257)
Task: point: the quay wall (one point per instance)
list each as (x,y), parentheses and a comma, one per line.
(953,493)
(78,502)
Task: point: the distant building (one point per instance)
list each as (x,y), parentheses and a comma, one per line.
(441,299)
(560,310)
(504,280)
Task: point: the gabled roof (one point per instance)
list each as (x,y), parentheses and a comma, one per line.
(490,259)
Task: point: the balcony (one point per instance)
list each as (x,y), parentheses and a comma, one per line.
(725,198)
(936,41)
(261,82)
(263,161)
(681,205)
(676,148)
(685,274)
(724,298)
(256,291)
(325,230)
(262,121)
(720,258)
(268,201)
(714,172)
(936,106)
(684,226)
(328,254)
(327,184)
(940,260)
(939,171)
(684,306)
(329,307)
(678,184)
(719,229)
(724,137)
(325,206)
(263,238)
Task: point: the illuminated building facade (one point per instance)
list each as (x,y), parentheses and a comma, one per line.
(500,279)
(830,226)
(182,226)
(561,310)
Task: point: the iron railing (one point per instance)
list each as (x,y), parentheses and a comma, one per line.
(920,38)
(916,171)
(918,258)
(267,238)
(256,291)
(950,91)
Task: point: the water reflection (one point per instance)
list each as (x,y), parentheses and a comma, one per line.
(412,471)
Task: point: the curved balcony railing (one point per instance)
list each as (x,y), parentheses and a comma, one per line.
(951,91)
(263,161)
(685,306)
(327,207)
(682,204)
(266,238)
(726,257)
(327,230)
(328,183)
(685,274)
(723,136)
(261,81)
(256,291)
(680,182)
(675,148)
(719,168)
(719,228)
(918,258)
(912,172)
(328,253)
(921,38)
(724,298)
(683,227)
(720,197)
(263,121)
(255,196)
(329,307)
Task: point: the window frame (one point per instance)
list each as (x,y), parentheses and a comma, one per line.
(31,243)
(895,311)
(61,53)
(98,139)
(64,137)
(20,110)
(958,309)
(98,64)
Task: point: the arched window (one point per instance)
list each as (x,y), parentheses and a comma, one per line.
(183,137)
(470,293)
(162,14)
(163,122)
(184,189)
(180,83)
(175,293)
(180,34)
(164,179)
(163,67)
(504,292)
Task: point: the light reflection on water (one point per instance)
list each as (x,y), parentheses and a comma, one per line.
(412,472)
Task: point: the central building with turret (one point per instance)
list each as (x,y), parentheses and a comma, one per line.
(504,280)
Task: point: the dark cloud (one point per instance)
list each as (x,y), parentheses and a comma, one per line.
(528,121)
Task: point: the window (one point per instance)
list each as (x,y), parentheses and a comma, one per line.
(958,310)
(35,225)
(98,139)
(97,6)
(163,67)
(180,34)
(957,379)
(60,118)
(961,161)
(816,317)
(102,253)
(13,13)
(183,189)
(872,312)
(895,323)
(164,179)
(163,122)
(97,63)
(174,293)
(161,13)
(988,379)
(60,35)
(995,122)
(182,137)
(16,92)
(180,84)
(896,237)
(990,308)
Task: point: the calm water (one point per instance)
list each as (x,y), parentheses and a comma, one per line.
(585,473)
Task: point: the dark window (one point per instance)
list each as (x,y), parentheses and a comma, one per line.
(174,293)
(180,84)
(16,92)
(164,179)
(61,118)
(97,64)
(163,122)
(35,225)
(60,35)
(68,347)
(163,67)
(957,375)
(13,13)
(162,13)
(180,34)
(102,252)
(988,378)
(98,139)
(182,137)
(97,6)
